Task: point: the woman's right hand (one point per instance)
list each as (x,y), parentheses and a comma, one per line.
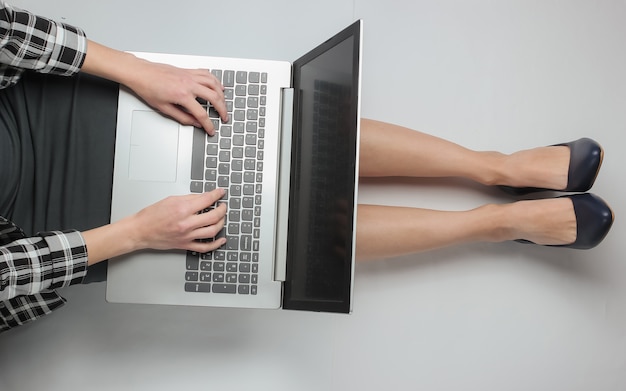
(172,223)
(175,223)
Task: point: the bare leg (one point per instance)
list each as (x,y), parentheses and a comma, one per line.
(384,231)
(391,150)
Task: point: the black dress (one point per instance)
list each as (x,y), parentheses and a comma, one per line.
(57,139)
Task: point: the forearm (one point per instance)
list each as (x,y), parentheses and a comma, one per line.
(115,65)
(172,223)
(111,240)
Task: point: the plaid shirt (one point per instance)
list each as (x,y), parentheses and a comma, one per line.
(32,42)
(31,268)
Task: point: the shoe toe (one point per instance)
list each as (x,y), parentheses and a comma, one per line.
(585,160)
(594,219)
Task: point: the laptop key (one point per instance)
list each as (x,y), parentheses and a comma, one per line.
(211,162)
(237,151)
(251,126)
(231,278)
(240,103)
(196,187)
(197,287)
(224,288)
(217,73)
(243,289)
(209,186)
(213,113)
(254,77)
(236,177)
(232,243)
(197,153)
(246,242)
(229,79)
(210,174)
(248,202)
(253,102)
(240,90)
(193,260)
(241,77)
(239,115)
(247,215)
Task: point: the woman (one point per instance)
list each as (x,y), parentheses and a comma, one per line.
(56,133)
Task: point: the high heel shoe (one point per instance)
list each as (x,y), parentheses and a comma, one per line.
(594,219)
(586,157)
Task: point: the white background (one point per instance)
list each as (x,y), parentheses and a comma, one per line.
(502,75)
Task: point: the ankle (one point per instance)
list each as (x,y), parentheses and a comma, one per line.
(497,223)
(491,172)
(544,167)
(550,221)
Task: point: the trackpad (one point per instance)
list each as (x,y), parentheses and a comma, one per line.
(153,147)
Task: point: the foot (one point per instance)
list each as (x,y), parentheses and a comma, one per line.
(544,167)
(546,221)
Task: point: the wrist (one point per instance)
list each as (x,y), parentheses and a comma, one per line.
(112,240)
(111,64)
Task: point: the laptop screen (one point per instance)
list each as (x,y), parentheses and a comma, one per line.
(323,176)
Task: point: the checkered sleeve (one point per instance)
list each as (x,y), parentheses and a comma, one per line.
(33,42)
(49,261)
(30,270)
(23,309)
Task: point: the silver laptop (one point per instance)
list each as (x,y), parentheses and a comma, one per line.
(288,158)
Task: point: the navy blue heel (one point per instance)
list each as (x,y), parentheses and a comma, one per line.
(594,219)
(585,161)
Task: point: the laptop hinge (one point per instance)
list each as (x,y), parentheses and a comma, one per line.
(284,178)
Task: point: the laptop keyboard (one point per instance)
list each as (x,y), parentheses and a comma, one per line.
(232,159)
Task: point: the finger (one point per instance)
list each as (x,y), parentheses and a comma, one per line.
(210,231)
(205,247)
(209,218)
(209,79)
(184,118)
(205,200)
(195,109)
(214,92)
(216,97)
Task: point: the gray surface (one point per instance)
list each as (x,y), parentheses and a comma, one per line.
(487,74)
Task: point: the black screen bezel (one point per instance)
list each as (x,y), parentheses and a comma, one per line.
(289,301)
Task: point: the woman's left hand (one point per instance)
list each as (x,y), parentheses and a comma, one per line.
(173,91)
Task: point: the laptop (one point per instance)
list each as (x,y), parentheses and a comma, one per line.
(288,160)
